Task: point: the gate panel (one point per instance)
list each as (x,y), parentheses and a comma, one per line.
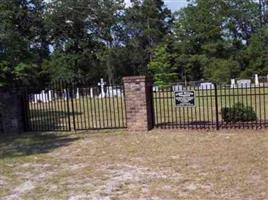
(96,108)
(74,106)
(47,109)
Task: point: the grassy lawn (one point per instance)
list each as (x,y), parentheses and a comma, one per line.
(117,165)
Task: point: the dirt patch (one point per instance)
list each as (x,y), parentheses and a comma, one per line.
(158,165)
(3,181)
(20,190)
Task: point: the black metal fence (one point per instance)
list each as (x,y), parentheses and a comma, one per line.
(64,106)
(215,107)
(1,124)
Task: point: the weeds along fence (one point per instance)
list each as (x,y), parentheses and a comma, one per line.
(66,106)
(214,107)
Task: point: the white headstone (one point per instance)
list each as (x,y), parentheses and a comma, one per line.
(244,83)
(55,96)
(43,97)
(113,92)
(257,82)
(118,92)
(77,93)
(155,88)
(109,92)
(36,97)
(65,95)
(233,83)
(207,86)
(91,93)
(177,88)
(50,95)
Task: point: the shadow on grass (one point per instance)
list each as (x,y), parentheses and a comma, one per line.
(31,144)
(49,120)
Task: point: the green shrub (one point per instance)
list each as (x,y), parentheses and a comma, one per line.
(239,113)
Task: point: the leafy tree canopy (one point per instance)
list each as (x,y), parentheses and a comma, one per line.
(212,40)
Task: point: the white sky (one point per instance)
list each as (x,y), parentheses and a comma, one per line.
(171,4)
(175,4)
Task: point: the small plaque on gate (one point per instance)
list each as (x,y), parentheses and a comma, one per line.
(185,99)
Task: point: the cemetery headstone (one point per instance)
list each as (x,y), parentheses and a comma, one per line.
(155,89)
(244,83)
(65,94)
(233,83)
(113,92)
(43,97)
(118,92)
(91,93)
(77,93)
(177,88)
(206,86)
(257,82)
(102,85)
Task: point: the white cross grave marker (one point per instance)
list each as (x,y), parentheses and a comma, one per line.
(102,84)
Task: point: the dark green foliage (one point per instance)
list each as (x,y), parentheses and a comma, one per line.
(213,40)
(221,70)
(239,113)
(23,44)
(160,66)
(217,40)
(147,23)
(257,53)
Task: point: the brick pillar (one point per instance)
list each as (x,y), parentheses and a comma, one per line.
(139,108)
(11,121)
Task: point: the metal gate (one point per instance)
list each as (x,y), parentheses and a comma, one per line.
(215,107)
(64,106)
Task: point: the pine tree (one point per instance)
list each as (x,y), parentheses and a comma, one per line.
(147,23)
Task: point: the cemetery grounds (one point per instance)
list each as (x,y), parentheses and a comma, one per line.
(116,165)
(110,111)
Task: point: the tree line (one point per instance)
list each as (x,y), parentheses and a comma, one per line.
(213,40)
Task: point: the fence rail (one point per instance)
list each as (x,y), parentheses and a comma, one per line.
(211,106)
(1,124)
